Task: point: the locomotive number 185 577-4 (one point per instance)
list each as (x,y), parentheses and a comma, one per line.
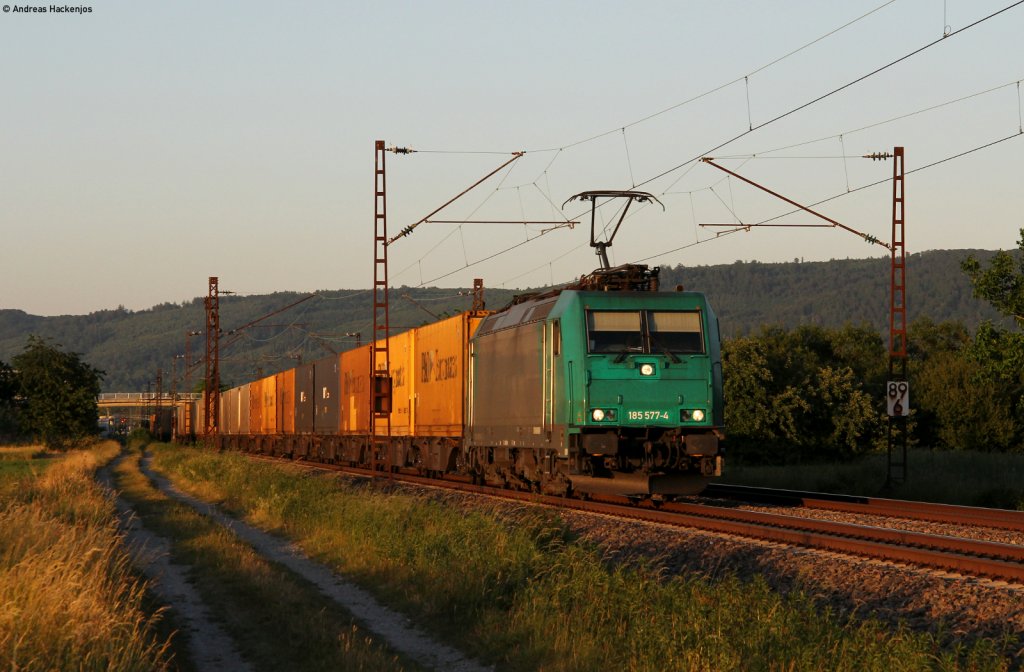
(647,415)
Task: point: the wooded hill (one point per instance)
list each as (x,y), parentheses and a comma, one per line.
(131,345)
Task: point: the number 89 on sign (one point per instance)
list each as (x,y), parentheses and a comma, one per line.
(897,395)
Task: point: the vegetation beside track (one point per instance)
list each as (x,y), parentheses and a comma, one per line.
(947,477)
(277,620)
(515,589)
(69,598)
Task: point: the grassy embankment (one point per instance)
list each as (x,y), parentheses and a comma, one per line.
(69,599)
(278,621)
(516,590)
(968,478)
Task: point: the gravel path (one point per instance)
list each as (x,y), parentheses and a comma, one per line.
(209,647)
(389,625)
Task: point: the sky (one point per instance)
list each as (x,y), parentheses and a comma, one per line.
(147,145)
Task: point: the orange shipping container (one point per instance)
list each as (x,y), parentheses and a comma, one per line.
(241,424)
(198,418)
(268,421)
(441,370)
(286,402)
(354,367)
(401,352)
(255,406)
(227,420)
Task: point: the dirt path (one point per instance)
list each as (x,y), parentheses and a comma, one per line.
(209,647)
(389,625)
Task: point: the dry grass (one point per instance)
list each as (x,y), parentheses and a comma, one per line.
(68,596)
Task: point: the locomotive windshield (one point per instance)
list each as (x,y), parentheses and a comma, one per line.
(615,332)
(644,331)
(675,332)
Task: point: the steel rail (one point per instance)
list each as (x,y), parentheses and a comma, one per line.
(965,556)
(1003,519)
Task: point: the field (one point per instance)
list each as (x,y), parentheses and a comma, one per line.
(513,588)
(69,598)
(508,585)
(968,478)
(19,462)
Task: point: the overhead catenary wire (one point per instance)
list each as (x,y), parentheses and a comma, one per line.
(763,153)
(834,91)
(751,127)
(720,87)
(840,195)
(675,106)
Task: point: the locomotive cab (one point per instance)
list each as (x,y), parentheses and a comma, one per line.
(646,414)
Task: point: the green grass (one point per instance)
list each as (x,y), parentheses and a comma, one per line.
(18,463)
(21,453)
(515,589)
(967,478)
(278,620)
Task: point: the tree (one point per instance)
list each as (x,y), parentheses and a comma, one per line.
(58,391)
(804,393)
(1002,283)
(1000,352)
(749,411)
(8,401)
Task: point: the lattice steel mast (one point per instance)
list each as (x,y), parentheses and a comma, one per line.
(211,395)
(380,354)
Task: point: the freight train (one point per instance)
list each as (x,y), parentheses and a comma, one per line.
(607,386)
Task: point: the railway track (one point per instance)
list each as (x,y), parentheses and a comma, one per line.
(965,556)
(895,508)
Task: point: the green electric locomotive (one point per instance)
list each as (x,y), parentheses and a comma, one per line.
(605,387)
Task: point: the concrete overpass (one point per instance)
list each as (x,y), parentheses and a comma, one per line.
(109,400)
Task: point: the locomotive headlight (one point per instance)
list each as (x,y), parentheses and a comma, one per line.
(647,369)
(698,415)
(597,414)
